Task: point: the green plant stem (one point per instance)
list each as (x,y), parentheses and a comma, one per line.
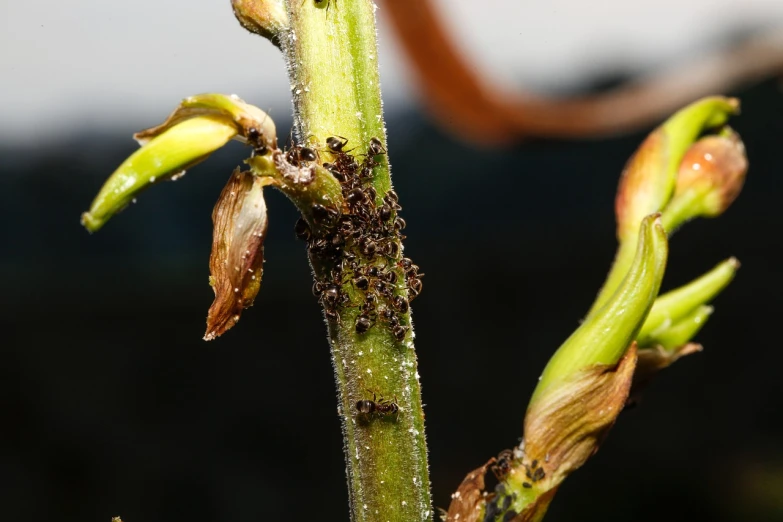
(331,53)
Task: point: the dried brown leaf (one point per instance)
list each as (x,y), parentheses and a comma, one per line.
(236,263)
(468,501)
(567,424)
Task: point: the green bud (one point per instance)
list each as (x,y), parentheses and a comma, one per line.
(649,177)
(710,179)
(672,308)
(605,335)
(267,18)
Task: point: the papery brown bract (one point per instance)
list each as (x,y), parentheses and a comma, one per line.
(566,424)
(236,263)
(467,503)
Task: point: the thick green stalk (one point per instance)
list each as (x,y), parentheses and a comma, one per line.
(330,48)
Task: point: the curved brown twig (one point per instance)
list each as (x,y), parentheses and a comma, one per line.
(476,110)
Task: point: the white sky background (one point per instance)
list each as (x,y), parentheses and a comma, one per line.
(69,65)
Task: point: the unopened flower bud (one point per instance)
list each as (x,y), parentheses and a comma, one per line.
(267,18)
(710,178)
(649,177)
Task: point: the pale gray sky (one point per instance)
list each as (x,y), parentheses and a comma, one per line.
(69,64)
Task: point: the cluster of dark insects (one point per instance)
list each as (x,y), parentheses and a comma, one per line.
(361,242)
(499,504)
(501,500)
(534,473)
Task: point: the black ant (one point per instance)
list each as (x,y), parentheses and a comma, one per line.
(399,332)
(298,154)
(363,323)
(376,147)
(382,406)
(324,215)
(331,298)
(336,143)
(400,303)
(503,464)
(256,140)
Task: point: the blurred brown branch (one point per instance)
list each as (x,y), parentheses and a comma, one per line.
(476,110)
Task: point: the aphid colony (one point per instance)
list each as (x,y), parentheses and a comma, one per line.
(500,502)
(361,243)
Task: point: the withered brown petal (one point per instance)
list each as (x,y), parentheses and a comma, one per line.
(236,263)
(467,502)
(566,425)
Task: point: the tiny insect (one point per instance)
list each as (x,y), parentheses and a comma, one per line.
(324,215)
(307,154)
(320,3)
(506,503)
(509,515)
(399,332)
(355,197)
(400,303)
(336,143)
(382,406)
(361,282)
(503,464)
(376,147)
(385,212)
(255,139)
(363,323)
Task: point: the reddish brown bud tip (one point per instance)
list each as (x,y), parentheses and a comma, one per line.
(715,166)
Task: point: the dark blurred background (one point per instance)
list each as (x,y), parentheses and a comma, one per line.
(112,404)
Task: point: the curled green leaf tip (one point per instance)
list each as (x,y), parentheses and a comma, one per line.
(607,333)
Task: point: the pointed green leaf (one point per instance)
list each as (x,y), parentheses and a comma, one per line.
(605,336)
(200,125)
(675,306)
(681,332)
(163,157)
